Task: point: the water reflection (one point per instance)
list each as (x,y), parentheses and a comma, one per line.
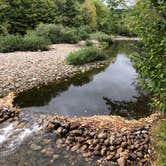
(83,95)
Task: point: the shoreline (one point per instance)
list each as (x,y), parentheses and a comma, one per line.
(25,70)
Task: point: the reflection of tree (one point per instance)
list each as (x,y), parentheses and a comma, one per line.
(121,47)
(42,96)
(130,109)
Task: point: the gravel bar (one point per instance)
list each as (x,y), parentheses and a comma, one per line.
(24,70)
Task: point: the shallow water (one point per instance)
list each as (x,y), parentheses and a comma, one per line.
(110,90)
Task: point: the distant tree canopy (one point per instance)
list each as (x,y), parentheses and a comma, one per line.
(18,16)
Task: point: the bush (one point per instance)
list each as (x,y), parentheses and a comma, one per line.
(10,43)
(33,42)
(57,33)
(69,35)
(88,43)
(101,37)
(86,55)
(83,32)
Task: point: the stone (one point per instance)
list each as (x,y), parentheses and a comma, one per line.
(139,154)
(84,147)
(109,157)
(76,132)
(111,139)
(112,148)
(102,136)
(122,161)
(56,124)
(55,156)
(98,147)
(35,147)
(88,154)
(75,147)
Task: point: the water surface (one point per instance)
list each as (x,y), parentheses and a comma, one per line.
(110,90)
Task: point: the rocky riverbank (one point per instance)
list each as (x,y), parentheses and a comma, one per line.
(7,111)
(24,70)
(112,140)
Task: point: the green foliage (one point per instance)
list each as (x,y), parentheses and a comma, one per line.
(33,42)
(10,43)
(24,15)
(148,20)
(89,14)
(57,33)
(83,32)
(85,55)
(88,43)
(101,37)
(30,42)
(159,137)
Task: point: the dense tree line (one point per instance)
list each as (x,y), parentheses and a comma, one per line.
(18,16)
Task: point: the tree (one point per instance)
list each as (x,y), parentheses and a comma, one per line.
(89,14)
(68,13)
(22,15)
(148,20)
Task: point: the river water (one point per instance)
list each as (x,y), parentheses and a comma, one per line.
(110,90)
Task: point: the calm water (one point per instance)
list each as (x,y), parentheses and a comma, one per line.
(110,90)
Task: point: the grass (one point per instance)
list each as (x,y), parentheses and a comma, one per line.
(159,137)
(86,55)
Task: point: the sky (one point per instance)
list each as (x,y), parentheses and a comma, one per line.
(130,2)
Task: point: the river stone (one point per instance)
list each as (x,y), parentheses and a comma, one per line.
(122,161)
(76,132)
(102,136)
(35,147)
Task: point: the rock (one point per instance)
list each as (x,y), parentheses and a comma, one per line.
(76,132)
(74,126)
(80,139)
(84,147)
(109,157)
(95,142)
(59,132)
(56,125)
(75,147)
(122,161)
(56,156)
(133,156)
(111,139)
(107,142)
(86,155)
(98,147)
(102,136)
(112,148)
(35,147)
(139,154)
(103,151)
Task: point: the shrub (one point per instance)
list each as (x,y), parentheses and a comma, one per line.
(10,43)
(57,33)
(69,35)
(83,32)
(101,37)
(33,42)
(86,55)
(88,43)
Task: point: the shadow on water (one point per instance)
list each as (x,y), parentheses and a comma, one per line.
(110,90)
